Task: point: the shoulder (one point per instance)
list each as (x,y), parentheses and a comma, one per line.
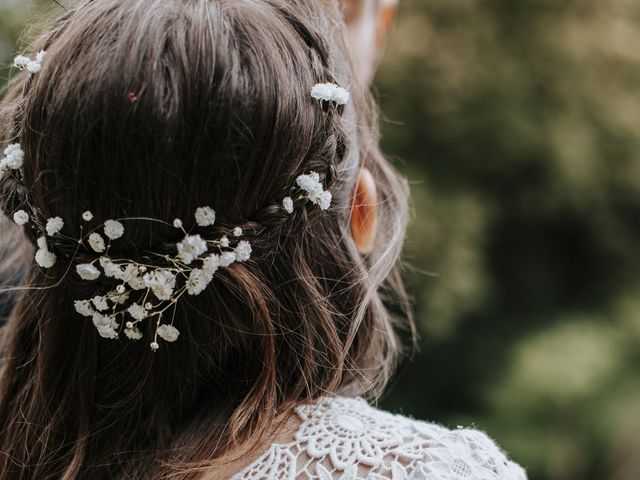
(347,439)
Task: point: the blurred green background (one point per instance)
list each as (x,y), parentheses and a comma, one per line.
(518,124)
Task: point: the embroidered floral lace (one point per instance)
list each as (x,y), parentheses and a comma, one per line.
(347,439)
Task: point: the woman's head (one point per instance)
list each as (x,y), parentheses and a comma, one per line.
(151,108)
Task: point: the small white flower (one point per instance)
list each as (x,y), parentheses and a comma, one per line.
(14,157)
(177,223)
(117,297)
(191,248)
(205,216)
(97,242)
(21,217)
(111,270)
(310,183)
(133,333)
(87,271)
(42,243)
(138,312)
(21,61)
(120,289)
(113,229)
(40,56)
(243,251)
(168,333)
(211,264)
(154,346)
(224,241)
(237,232)
(341,96)
(101,303)
(87,216)
(45,258)
(322,91)
(227,258)
(287,203)
(100,320)
(161,283)
(34,67)
(107,331)
(83,307)
(197,282)
(54,225)
(323,199)
(330,92)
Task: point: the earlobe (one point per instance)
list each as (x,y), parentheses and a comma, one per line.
(364,212)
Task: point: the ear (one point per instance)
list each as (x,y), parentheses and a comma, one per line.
(364,212)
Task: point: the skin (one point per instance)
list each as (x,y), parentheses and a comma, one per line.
(364,212)
(370,22)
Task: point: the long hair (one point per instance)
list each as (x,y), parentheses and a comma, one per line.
(151,108)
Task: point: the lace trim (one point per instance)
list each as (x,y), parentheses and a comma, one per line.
(347,439)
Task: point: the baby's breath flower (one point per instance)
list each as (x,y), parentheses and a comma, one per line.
(117,297)
(243,251)
(100,302)
(287,203)
(138,312)
(168,333)
(197,282)
(154,346)
(191,248)
(205,216)
(310,183)
(224,241)
(21,61)
(83,307)
(323,199)
(177,223)
(87,271)
(133,333)
(21,217)
(97,242)
(106,326)
(161,282)
(227,258)
(45,258)
(107,331)
(87,216)
(330,92)
(237,232)
(54,225)
(211,264)
(111,270)
(14,158)
(113,229)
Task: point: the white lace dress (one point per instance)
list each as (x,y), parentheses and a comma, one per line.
(347,439)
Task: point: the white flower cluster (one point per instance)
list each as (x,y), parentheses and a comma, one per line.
(13,159)
(32,66)
(188,272)
(315,193)
(330,92)
(143,290)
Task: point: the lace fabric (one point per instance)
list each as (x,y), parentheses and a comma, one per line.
(347,439)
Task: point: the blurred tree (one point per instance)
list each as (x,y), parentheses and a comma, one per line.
(517,122)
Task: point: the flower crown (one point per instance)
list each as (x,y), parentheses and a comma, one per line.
(157,289)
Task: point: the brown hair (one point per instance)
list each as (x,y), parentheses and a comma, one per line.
(223,117)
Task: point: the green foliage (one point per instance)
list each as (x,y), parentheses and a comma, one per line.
(516,122)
